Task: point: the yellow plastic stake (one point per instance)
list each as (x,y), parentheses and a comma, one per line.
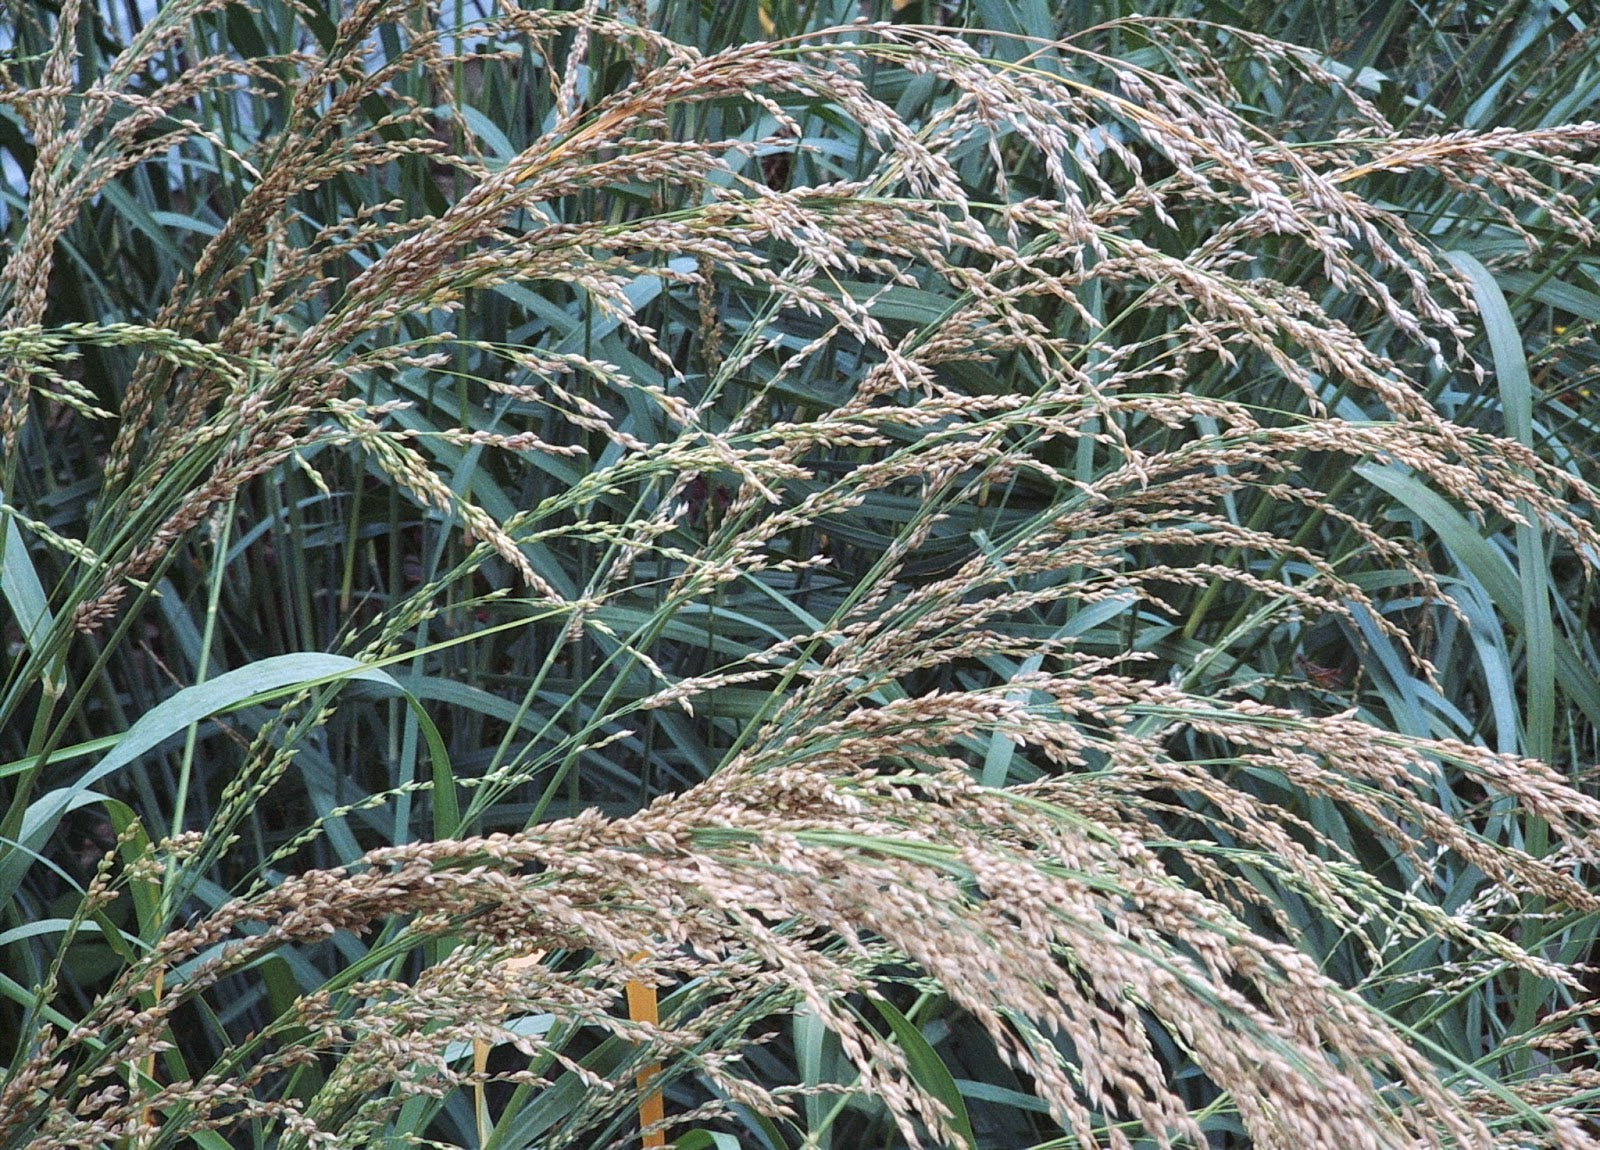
(642,1007)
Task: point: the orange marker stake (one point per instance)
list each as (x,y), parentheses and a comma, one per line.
(642,1007)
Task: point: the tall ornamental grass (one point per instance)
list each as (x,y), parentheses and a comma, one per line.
(719,574)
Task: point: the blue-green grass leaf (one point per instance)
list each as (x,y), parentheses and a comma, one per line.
(928,1069)
(1516,402)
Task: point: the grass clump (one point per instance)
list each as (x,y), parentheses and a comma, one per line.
(1019,581)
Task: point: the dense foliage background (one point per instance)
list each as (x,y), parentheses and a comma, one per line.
(1025,584)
